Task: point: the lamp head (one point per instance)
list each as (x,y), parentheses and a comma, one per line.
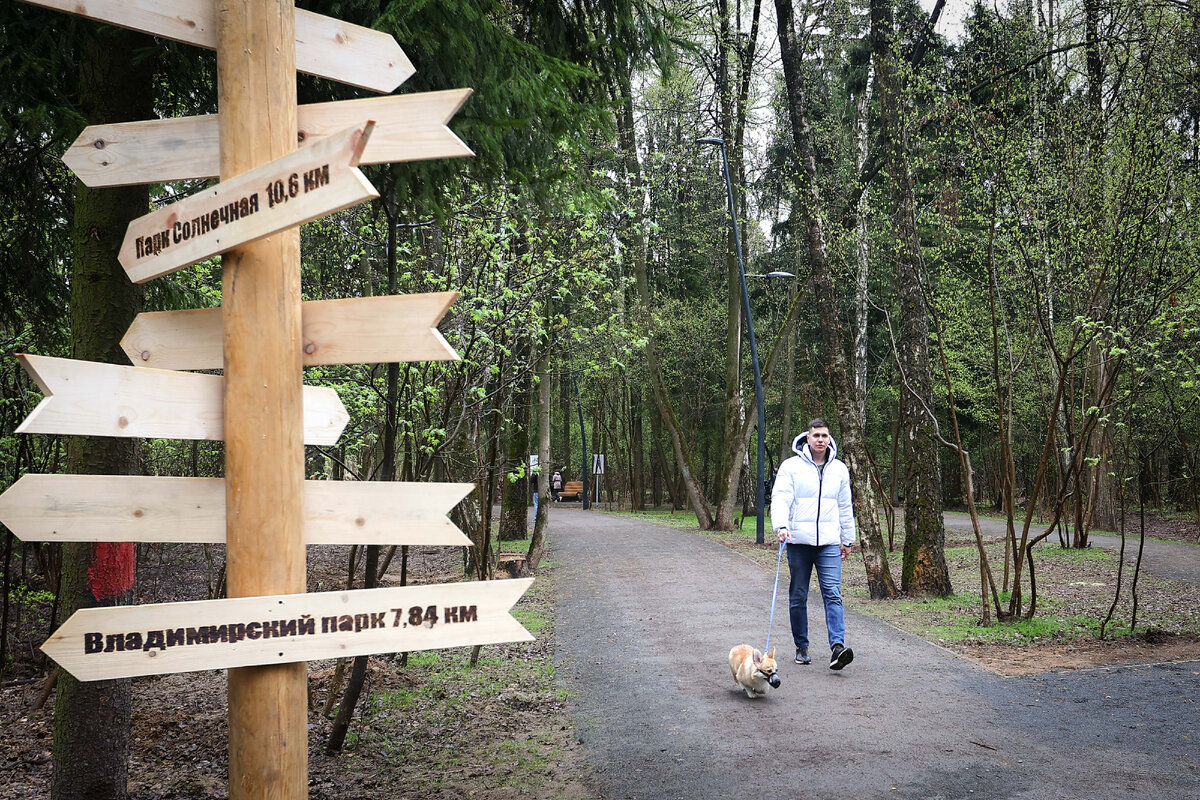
(710,140)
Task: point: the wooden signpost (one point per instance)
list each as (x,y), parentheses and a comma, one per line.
(128,508)
(408,127)
(88,398)
(356,330)
(304,185)
(121,642)
(325,47)
(263,509)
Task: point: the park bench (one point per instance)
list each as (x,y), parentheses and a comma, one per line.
(572,490)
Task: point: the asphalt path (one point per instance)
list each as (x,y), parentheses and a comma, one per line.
(1176,560)
(646,618)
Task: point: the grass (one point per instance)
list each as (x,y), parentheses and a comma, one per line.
(1131,527)
(683,520)
(1075,591)
(439,726)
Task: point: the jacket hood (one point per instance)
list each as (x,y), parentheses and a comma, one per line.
(800,447)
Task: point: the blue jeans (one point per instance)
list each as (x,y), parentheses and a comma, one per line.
(828,561)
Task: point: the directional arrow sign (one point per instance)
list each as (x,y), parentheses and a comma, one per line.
(288,191)
(93,399)
(125,508)
(125,641)
(408,127)
(359,330)
(326,47)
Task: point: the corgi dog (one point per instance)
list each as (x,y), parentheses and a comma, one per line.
(753,671)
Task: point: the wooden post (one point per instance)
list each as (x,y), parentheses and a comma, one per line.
(264,451)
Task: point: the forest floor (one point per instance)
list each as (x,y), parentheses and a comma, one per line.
(428,726)
(432,726)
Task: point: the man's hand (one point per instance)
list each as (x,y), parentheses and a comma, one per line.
(782,534)
(845,552)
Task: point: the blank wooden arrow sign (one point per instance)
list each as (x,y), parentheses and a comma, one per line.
(126,641)
(358,330)
(408,127)
(289,191)
(87,398)
(326,47)
(125,508)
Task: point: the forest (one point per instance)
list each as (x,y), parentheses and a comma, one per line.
(971,248)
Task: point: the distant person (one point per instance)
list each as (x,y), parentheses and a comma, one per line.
(533,484)
(812,510)
(555,485)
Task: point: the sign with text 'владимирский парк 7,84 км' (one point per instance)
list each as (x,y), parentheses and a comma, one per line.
(127,641)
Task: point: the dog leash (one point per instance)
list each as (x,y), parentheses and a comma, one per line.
(774,595)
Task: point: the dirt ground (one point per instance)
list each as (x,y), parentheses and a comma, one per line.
(1143,648)
(434,726)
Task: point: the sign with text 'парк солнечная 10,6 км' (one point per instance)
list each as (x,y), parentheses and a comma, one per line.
(127,641)
(289,191)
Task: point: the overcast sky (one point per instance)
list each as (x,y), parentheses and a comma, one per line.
(950,23)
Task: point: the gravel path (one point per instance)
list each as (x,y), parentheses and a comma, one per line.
(1176,560)
(646,618)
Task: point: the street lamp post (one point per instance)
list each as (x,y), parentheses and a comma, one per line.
(761,485)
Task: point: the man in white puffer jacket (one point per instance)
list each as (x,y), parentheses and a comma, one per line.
(812,510)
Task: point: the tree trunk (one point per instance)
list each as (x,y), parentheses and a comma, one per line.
(1008,468)
(733,111)
(637,251)
(514,494)
(729,466)
(841,371)
(637,459)
(789,391)
(542,517)
(91,720)
(863,254)
(924,571)
(371,575)
(1102,491)
(358,673)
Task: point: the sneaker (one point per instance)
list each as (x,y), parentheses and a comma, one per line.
(840,657)
(802,656)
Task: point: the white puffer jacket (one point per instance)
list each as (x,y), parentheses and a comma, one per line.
(815,506)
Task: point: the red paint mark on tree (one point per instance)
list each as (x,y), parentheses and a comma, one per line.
(112,570)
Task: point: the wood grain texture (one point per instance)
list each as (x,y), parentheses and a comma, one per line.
(408,127)
(324,46)
(127,508)
(307,184)
(358,330)
(388,608)
(264,451)
(89,398)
